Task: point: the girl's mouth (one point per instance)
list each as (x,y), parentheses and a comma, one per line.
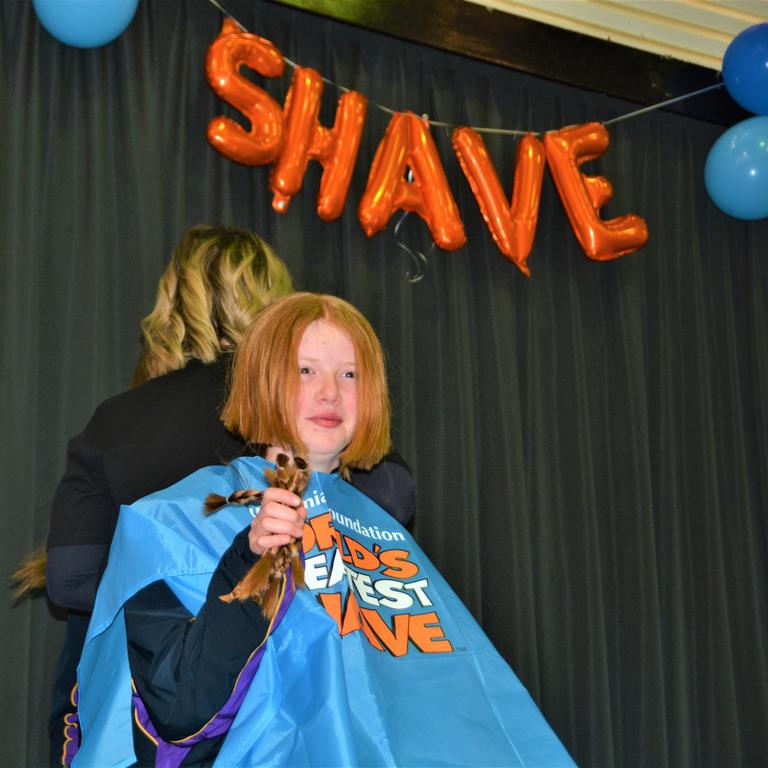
(326,420)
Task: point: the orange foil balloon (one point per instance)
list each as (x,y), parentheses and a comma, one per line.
(231,49)
(409,144)
(583,196)
(305,140)
(513,227)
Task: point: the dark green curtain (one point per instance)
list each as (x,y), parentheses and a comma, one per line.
(590,445)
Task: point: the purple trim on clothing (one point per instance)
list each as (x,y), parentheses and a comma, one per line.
(172,754)
(71,731)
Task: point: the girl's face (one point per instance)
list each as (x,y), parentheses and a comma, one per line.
(326,411)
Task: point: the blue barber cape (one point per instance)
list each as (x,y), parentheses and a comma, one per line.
(376,662)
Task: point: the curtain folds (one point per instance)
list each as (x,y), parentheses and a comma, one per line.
(590,445)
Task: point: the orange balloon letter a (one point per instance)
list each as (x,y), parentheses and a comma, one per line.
(409,144)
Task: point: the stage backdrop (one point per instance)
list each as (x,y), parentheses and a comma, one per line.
(590,445)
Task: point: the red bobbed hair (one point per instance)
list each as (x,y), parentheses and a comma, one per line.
(261,406)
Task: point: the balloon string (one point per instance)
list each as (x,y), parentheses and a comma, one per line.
(663,103)
(479,129)
(500,131)
(418,258)
(227,14)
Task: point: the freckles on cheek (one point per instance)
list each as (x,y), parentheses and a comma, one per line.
(301,397)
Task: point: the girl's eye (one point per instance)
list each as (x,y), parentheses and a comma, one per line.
(304,370)
(349,375)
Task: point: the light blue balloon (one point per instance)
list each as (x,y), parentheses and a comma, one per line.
(85,23)
(745,69)
(736,171)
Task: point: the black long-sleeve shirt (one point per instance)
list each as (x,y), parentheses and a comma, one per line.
(185,667)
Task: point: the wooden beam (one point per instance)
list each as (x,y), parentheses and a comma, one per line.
(538,49)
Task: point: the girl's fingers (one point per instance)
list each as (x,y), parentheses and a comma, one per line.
(272,511)
(293,526)
(281,496)
(276,525)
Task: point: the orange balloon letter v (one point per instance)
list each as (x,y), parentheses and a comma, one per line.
(513,228)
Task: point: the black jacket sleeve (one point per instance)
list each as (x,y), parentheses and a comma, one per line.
(84,510)
(83,518)
(185,667)
(73,573)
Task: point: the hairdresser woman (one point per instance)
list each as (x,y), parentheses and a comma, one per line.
(172,675)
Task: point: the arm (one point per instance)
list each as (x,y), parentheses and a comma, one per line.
(83,517)
(73,573)
(185,667)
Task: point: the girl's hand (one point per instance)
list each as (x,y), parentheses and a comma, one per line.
(280,519)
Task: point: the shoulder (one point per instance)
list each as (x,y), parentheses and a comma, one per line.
(148,438)
(197,390)
(391,485)
(195,377)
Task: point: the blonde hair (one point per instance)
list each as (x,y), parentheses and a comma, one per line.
(261,406)
(217,281)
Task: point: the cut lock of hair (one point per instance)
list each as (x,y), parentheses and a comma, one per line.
(264,581)
(265,382)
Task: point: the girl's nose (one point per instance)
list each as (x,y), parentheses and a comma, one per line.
(328,388)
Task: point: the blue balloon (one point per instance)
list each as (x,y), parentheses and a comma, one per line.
(745,69)
(85,23)
(736,171)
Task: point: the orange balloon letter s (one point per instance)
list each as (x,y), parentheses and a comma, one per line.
(231,49)
(583,196)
